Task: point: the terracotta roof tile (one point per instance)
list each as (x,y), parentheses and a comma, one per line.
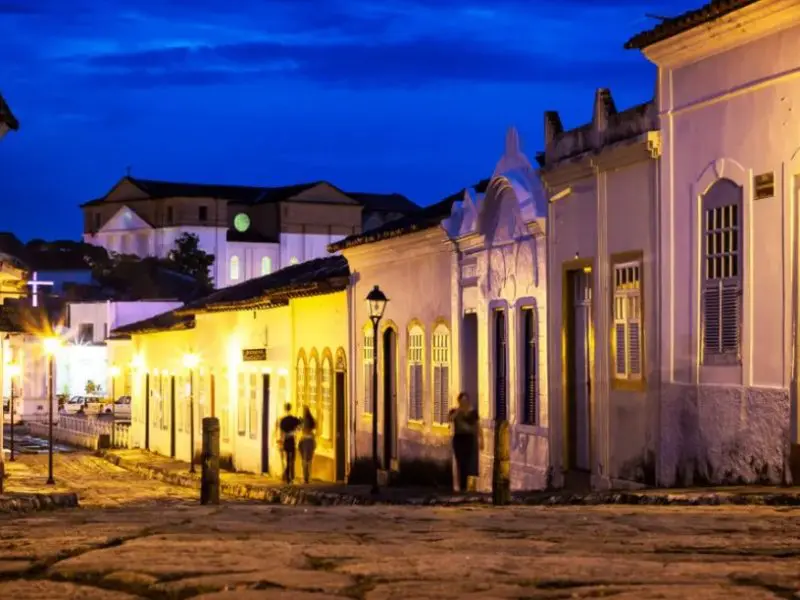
(686,21)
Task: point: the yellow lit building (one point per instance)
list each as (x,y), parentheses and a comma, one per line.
(241,354)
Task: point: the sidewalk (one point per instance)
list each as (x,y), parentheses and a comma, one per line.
(24,491)
(265,489)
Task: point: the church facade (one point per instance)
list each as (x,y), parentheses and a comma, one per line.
(252,231)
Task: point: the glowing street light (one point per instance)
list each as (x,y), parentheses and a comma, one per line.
(51,346)
(190,361)
(13,371)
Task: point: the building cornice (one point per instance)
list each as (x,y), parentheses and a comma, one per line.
(416,244)
(724,33)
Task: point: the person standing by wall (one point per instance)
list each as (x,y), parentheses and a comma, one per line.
(467,439)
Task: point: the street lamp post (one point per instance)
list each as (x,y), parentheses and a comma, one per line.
(13,371)
(114,372)
(190,361)
(376,305)
(51,346)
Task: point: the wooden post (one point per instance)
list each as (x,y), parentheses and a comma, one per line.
(209,477)
(501,471)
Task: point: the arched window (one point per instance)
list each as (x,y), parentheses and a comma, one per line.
(313,372)
(234,268)
(415,355)
(293,260)
(440,358)
(722,273)
(368,360)
(301,383)
(266,265)
(326,414)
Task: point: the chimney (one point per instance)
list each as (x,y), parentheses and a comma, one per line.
(603,108)
(552,127)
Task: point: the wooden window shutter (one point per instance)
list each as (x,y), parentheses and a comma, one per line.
(619,348)
(711,318)
(730,318)
(634,348)
(437,393)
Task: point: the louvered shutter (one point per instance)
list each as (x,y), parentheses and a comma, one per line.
(619,348)
(730,319)
(634,349)
(367,387)
(711,318)
(444,395)
(501,404)
(437,393)
(417,373)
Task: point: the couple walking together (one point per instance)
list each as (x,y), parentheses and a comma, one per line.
(288,428)
(467,440)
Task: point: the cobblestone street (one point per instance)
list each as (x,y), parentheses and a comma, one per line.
(241,551)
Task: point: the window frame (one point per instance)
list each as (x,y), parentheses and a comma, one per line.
(415,359)
(627,380)
(730,287)
(441,359)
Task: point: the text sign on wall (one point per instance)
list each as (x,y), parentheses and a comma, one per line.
(254,354)
(764,185)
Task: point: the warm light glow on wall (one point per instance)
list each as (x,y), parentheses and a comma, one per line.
(234,352)
(51,345)
(138,362)
(114,371)
(190,360)
(13,370)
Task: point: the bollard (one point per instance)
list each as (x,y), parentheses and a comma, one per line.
(501,471)
(209,476)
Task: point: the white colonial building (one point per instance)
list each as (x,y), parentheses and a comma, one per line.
(251,231)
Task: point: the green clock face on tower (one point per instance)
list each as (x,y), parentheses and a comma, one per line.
(241,222)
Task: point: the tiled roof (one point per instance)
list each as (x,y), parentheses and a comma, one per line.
(6,116)
(384,202)
(688,20)
(427,217)
(319,276)
(167,321)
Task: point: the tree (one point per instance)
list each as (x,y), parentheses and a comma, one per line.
(188,258)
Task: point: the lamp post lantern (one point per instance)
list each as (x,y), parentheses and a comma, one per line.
(376,305)
(51,346)
(13,372)
(190,362)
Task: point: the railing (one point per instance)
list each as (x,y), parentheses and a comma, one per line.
(118,432)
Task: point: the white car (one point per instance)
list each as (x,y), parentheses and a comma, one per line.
(121,409)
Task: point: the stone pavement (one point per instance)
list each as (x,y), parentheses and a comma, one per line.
(95,482)
(261,488)
(242,551)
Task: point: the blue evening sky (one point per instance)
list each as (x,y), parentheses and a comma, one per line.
(409,96)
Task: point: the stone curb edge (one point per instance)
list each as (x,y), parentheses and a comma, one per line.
(38,502)
(293,495)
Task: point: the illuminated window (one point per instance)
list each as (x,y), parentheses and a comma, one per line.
(253,420)
(326,415)
(416,344)
(266,265)
(234,270)
(722,273)
(369,367)
(628,320)
(241,407)
(440,357)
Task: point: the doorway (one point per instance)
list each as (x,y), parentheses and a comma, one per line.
(500,366)
(469,371)
(265,414)
(147,411)
(172,440)
(579,369)
(341,404)
(389,398)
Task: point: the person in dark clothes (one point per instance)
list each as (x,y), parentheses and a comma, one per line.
(308,443)
(288,426)
(467,439)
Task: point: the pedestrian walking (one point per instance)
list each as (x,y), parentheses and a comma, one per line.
(467,439)
(308,443)
(288,427)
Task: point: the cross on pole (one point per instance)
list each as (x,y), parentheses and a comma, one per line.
(35,285)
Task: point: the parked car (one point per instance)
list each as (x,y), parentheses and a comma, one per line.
(74,405)
(121,409)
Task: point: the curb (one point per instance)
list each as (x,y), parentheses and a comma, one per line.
(304,496)
(38,502)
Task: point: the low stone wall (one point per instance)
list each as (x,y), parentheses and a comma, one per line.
(33,502)
(73,438)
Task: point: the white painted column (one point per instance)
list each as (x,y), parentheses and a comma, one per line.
(602,327)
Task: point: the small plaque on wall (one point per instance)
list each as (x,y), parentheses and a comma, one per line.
(764,185)
(254,354)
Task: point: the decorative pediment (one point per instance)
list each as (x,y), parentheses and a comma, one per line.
(125,219)
(464,215)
